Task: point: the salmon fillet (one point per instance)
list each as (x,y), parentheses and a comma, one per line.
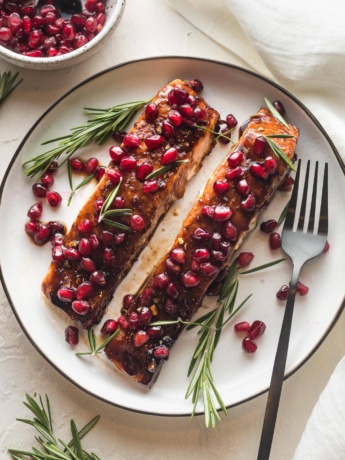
(223,214)
(97,256)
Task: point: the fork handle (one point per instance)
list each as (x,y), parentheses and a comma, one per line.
(278,372)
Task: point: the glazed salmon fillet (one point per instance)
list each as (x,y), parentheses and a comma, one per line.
(98,252)
(224,212)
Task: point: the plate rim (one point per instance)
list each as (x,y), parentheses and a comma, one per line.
(93,77)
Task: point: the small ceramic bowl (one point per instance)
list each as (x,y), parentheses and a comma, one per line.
(114,10)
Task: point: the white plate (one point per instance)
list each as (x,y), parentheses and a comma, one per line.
(238,376)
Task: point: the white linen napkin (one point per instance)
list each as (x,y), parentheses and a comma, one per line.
(299,44)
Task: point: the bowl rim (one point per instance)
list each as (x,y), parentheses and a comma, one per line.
(111,23)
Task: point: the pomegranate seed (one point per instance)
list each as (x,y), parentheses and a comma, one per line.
(88,264)
(151,112)
(201,235)
(235,158)
(190,279)
(47,180)
(57,239)
(146,297)
(53,198)
(177,96)
(195,266)
(145,317)
(186,110)
(283,292)
(256,330)
(268,226)
(302,289)
(243,326)
(218,256)
(155,141)
(140,338)
(172,290)
(274,240)
(42,234)
(154,332)
(287,184)
(249,203)
(85,226)
(175,118)
(208,269)
(244,258)
(137,223)
(225,247)
(128,163)
(170,307)
(66,294)
(91,165)
(98,204)
(72,335)
(279,107)
(29,9)
(169,156)
(133,321)
(109,257)
(178,255)
(6,34)
(97,277)
(119,238)
(248,345)
(258,171)
(35,211)
(56,227)
(231,121)
(118,203)
(81,307)
(222,213)
(229,231)
(201,254)
(270,165)
(109,327)
(118,136)
(216,240)
(198,113)
(243,187)
(100,18)
(39,190)
(85,290)
(196,85)
(78,21)
(260,146)
(208,211)
(94,241)
(161,352)
(100,171)
(221,187)
(122,322)
(128,301)
(72,254)
(172,267)
(58,254)
(144,170)
(113,175)
(150,186)
(327,246)
(168,130)
(161,281)
(234,173)
(117,153)
(131,141)
(226,138)
(85,247)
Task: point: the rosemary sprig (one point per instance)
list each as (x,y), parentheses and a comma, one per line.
(218,134)
(99,128)
(8,84)
(105,212)
(165,169)
(275,112)
(53,449)
(95,350)
(283,213)
(279,152)
(81,184)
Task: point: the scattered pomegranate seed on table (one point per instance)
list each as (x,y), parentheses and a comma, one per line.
(274,241)
(248,345)
(242,326)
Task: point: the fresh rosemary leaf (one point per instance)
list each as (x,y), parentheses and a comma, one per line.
(110,198)
(76,441)
(80,185)
(99,128)
(283,213)
(92,344)
(92,340)
(84,431)
(8,84)
(275,112)
(202,319)
(236,310)
(165,169)
(279,136)
(218,329)
(70,176)
(123,227)
(262,267)
(228,282)
(218,134)
(229,302)
(109,339)
(280,153)
(119,212)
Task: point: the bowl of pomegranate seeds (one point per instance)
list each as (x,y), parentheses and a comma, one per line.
(51,34)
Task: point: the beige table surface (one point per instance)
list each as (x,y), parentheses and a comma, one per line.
(147,29)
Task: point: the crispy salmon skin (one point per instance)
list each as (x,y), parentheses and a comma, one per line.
(222,215)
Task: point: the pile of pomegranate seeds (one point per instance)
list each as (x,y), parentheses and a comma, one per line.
(34,32)
(253,332)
